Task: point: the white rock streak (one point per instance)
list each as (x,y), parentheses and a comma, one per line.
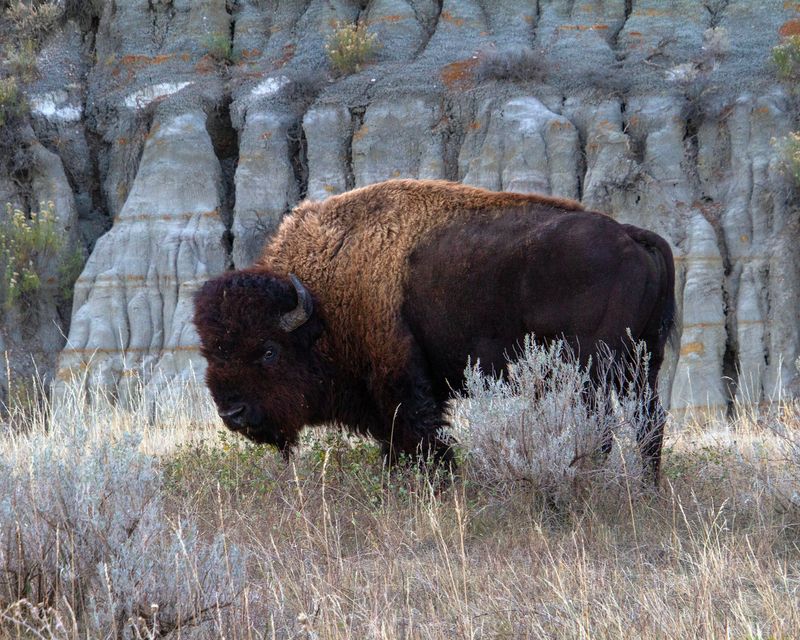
(52,106)
(143,97)
(269,87)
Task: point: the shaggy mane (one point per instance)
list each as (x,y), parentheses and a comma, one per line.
(352,251)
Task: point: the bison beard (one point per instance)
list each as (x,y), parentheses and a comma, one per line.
(398,284)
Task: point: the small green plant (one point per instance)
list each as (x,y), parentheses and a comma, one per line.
(219,47)
(28,247)
(33,20)
(24,25)
(69,270)
(236,464)
(786,57)
(11,102)
(789,153)
(20,58)
(350,47)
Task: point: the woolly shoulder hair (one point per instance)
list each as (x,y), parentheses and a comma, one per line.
(352,251)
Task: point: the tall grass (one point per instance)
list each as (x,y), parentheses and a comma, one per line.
(119,509)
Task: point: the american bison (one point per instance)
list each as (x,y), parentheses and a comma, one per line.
(364,308)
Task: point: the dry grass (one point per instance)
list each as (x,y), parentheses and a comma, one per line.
(337,547)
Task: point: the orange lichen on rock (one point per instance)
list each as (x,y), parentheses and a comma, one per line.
(583,27)
(790,28)
(458,74)
(392,18)
(693,347)
(206,64)
(288,54)
(449,17)
(139,60)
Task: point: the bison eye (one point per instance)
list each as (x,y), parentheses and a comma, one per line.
(271,350)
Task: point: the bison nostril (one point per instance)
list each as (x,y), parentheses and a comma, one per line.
(234,413)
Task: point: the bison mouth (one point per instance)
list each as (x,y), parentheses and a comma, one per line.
(259,430)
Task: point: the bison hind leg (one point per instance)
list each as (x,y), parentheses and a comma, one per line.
(650,437)
(631,371)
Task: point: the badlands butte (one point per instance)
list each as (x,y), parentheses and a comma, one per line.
(173,135)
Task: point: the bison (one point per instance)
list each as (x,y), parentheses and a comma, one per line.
(364,309)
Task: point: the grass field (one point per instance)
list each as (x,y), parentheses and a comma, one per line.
(114,523)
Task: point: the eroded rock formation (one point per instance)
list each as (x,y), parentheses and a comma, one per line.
(188,129)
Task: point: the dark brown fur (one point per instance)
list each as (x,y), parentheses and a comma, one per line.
(409,279)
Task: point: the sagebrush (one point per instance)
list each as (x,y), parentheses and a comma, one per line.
(88,544)
(546,421)
(786,57)
(518,64)
(350,47)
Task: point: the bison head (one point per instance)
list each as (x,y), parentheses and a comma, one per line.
(257,332)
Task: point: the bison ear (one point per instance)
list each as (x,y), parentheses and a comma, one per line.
(298,316)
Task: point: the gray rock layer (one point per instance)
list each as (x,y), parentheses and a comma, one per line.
(661,114)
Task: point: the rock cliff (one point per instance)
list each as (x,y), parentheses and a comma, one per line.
(177,133)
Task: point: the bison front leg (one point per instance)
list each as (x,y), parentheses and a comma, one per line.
(412,421)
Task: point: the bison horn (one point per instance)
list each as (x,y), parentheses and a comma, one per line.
(302,312)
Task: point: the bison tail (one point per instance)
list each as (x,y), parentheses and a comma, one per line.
(669,328)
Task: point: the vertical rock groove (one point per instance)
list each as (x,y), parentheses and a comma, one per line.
(298,158)
(225,140)
(356,121)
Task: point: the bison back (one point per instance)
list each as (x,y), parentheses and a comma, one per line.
(476,288)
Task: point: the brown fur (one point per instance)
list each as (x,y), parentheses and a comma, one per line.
(332,246)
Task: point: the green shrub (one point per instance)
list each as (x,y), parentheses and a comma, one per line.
(20,58)
(11,102)
(789,150)
(350,47)
(32,20)
(219,47)
(23,28)
(786,57)
(29,245)
(237,465)
(69,269)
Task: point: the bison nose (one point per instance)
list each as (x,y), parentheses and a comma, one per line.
(235,413)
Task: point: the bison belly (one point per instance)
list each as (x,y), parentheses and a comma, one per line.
(475,290)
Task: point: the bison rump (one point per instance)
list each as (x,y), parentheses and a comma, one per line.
(476,289)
